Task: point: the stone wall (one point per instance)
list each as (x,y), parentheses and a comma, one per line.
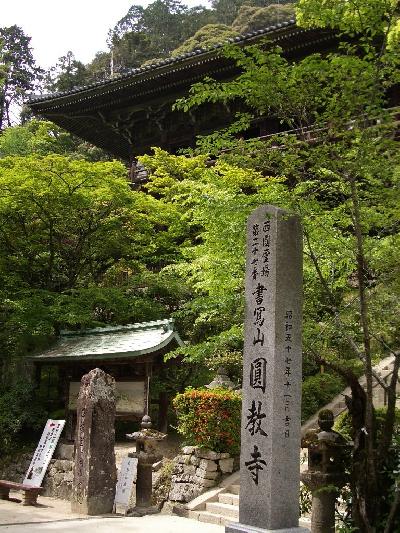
(194,471)
(57,482)
(15,470)
(197,470)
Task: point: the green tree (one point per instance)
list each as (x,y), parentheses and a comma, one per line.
(99,69)
(41,137)
(132,21)
(18,72)
(341,168)
(267,3)
(206,37)
(66,74)
(154,32)
(79,248)
(226,10)
(130,51)
(251,18)
(36,137)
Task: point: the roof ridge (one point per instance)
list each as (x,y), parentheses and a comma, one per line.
(167,61)
(154,324)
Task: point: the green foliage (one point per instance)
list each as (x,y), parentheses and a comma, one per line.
(343,423)
(131,50)
(339,171)
(62,220)
(317,391)
(226,10)
(35,137)
(318,89)
(66,74)
(214,202)
(368,17)
(251,18)
(99,69)
(305,500)
(41,137)
(18,72)
(79,249)
(154,32)
(389,469)
(206,37)
(20,416)
(210,419)
(148,34)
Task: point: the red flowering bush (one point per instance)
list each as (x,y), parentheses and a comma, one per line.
(210,418)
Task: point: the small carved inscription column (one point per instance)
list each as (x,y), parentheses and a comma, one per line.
(94,470)
(270,441)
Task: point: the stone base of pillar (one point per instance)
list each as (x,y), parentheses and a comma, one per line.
(143,511)
(243,528)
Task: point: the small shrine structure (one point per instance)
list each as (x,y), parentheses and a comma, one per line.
(130,354)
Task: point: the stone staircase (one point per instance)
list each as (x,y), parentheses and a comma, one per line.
(220,507)
(384,369)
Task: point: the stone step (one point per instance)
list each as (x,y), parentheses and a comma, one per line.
(235,489)
(229,498)
(228,511)
(212,518)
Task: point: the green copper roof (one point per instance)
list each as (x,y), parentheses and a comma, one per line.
(114,342)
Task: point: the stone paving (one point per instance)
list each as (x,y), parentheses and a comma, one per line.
(55,515)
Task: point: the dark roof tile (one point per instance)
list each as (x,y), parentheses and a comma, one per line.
(181,57)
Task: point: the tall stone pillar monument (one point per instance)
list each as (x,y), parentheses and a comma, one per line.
(94,469)
(270,440)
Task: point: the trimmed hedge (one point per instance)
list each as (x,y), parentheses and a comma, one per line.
(210,418)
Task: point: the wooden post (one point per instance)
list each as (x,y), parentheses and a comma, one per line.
(163,403)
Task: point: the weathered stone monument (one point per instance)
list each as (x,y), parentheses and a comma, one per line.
(270,439)
(94,469)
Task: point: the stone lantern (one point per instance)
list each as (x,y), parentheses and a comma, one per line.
(326,474)
(221,380)
(147,454)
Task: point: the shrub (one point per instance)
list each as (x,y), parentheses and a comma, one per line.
(317,391)
(210,418)
(21,417)
(343,423)
(391,467)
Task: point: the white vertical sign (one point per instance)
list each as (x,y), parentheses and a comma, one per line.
(44,453)
(126,478)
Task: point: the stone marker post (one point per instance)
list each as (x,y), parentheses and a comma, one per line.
(270,441)
(94,469)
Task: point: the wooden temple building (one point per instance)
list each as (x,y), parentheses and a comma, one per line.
(131,354)
(130,113)
(126,116)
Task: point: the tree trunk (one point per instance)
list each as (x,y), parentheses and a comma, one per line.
(364,465)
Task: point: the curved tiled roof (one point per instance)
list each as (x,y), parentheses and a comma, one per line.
(240,39)
(128,114)
(119,342)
